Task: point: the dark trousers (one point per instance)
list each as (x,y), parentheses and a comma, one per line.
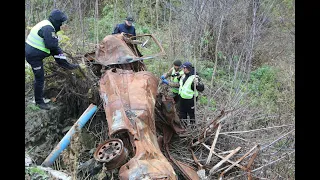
(35,60)
(187,108)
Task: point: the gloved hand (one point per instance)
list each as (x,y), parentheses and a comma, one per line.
(165,81)
(65,64)
(60,56)
(62,61)
(162,77)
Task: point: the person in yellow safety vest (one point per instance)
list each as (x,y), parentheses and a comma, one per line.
(187,91)
(174,73)
(42,42)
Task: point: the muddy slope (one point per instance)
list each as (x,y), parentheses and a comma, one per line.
(43,129)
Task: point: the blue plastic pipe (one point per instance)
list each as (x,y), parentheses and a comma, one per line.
(65,141)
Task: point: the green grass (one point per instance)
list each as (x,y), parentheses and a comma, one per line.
(32,108)
(36,174)
(203,100)
(264,87)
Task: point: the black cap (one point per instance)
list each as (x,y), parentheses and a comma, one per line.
(130,19)
(177,63)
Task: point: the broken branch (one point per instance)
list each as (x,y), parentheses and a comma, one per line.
(252,158)
(224,160)
(218,155)
(277,140)
(213,144)
(263,166)
(236,132)
(238,161)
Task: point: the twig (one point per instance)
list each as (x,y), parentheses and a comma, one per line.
(224,160)
(222,168)
(60,92)
(219,89)
(236,132)
(229,115)
(30,149)
(238,161)
(215,64)
(277,139)
(218,155)
(87,177)
(213,144)
(225,152)
(263,165)
(252,159)
(237,137)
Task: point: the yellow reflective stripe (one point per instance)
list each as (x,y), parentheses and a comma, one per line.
(180,83)
(172,73)
(187,94)
(37,44)
(35,40)
(38,47)
(35,36)
(185,91)
(175,90)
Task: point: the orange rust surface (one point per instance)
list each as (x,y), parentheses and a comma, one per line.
(129,95)
(129,101)
(112,49)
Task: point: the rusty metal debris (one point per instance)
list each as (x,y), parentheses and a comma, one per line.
(129,99)
(112,153)
(129,95)
(115,50)
(132,99)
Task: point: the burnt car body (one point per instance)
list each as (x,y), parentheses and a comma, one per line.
(129,94)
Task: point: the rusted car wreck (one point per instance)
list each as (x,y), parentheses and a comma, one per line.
(142,121)
(129,94)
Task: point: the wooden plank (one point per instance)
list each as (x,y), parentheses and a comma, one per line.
(213,144)
(224,160)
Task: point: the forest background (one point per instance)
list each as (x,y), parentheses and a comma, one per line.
(244,52)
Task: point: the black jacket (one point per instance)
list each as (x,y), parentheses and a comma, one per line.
(49,35)
(124,28)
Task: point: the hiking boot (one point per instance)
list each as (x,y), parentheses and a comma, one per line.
(43,106)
